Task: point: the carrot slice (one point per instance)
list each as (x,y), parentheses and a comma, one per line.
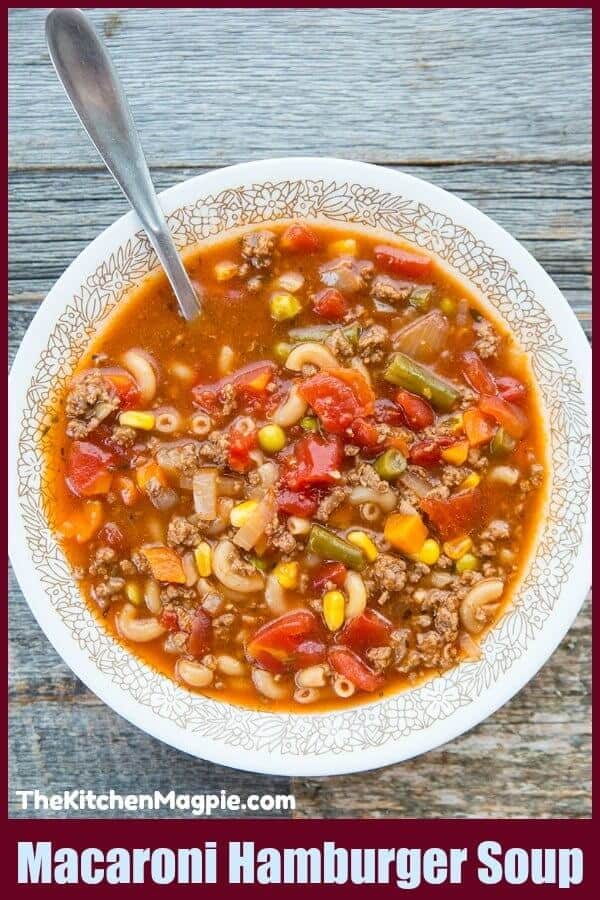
(479,429)
(164,563)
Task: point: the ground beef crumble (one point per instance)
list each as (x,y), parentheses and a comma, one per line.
(372,344)
(258,248)
(330,503)
(92,399)
(488,341)
(390,290)
(184,532)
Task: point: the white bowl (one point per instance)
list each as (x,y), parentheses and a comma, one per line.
(557,578)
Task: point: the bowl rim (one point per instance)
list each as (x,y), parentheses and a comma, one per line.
(264,172)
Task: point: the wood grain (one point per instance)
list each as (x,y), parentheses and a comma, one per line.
(496,112)
(383,85)
(54,215)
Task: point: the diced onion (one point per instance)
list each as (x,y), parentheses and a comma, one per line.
(253,529)
(415,483)
(204,486)
(164,498)
(343,275)
(425,338)
(290,281)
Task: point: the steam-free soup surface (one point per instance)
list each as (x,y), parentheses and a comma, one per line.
(321,491)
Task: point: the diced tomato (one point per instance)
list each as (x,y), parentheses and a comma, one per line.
(249,383)
(103,437)
(511,417)
(365,434)
(265,660)
(351,666)
(476,374)
(429,452)
(309,653)
(169,620)
(124,384)
(479,429)
(111,535)
(510,389)
(370,629)
(297,503)
(360,385)
(387,413)
(338,399)
(457,515)
(313,461)
(334,572)
(330,304)
(282,638)
(402,262)
(88,469)
(241,443)
(417,412)
(299,239)
(200,634)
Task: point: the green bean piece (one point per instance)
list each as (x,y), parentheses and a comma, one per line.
(420,297)
(408,374)
(390,464)
(320,333)
(329,545)
(309,423)
(502,443)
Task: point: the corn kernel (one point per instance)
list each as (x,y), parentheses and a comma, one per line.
(333,609)
(429,552)
(343,247)
(225,270)
(284,306)
(364,542)
(133,593)
(458,547)
(287,574)
(240,514)
(448,306)
(467,563)
(203,559)
(457,454)
(133,419)
(471,481)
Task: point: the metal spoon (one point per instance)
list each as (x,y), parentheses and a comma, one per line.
(91,84)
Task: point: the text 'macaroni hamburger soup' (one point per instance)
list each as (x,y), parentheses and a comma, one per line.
(319,492)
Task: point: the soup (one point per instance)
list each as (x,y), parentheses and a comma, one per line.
(321,491)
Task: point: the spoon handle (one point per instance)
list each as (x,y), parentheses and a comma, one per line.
(92,85)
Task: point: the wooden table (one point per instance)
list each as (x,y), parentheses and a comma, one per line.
(490,104)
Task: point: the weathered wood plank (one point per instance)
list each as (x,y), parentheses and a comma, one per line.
(53,215)
(385,85)
(63,747)
(529,770)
